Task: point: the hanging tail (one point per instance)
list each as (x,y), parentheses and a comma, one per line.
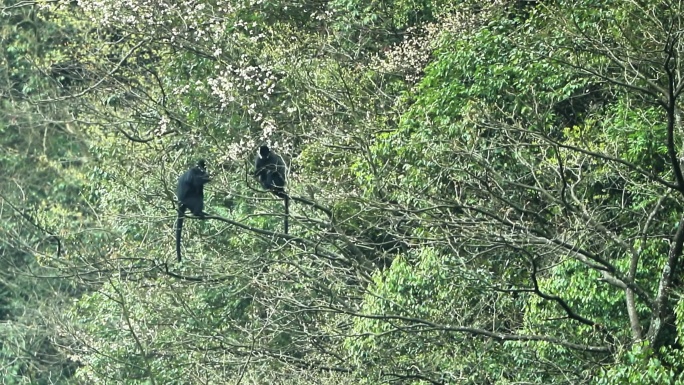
(286,198)
(287,212)
(179,229)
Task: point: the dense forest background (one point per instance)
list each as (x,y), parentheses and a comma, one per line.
(482,192)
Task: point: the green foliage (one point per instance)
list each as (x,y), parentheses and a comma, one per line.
(640,365)
(481,193)
(43,212)
(414,302)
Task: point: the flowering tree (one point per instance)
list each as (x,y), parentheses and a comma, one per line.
(475,188)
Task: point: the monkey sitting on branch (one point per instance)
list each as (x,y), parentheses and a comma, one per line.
(271,171)
(190,194)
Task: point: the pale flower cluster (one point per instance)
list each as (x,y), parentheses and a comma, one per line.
(162,126)
(232,82)
(268,128)
(199,21)
(236,150)
(410,56)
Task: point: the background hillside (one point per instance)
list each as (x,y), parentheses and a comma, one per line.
(482,192)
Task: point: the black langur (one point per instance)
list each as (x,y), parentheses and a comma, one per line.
(190,197)
(271,171)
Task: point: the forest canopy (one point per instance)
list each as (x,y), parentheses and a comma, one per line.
(479,192)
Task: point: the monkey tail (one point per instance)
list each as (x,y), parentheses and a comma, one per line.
(287,212)
(179,229)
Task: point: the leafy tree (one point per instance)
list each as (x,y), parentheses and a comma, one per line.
(43,213)
(480,193)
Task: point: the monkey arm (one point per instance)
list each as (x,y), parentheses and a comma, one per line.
(200,178)
(262,172)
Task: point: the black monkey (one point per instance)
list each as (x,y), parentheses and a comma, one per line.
(190,196)
(271,171)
